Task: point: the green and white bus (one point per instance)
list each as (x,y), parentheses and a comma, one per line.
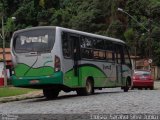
(55,58)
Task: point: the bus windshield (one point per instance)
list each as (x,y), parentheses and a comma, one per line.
(36,40)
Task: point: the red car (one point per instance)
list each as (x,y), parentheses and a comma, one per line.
(142,79)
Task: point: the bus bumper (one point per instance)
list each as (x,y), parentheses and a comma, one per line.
(56,78)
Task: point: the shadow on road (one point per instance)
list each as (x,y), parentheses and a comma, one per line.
(68,96)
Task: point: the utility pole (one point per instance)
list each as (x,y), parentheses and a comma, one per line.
(149,41)
(121,10)
(4,57)
(135,54)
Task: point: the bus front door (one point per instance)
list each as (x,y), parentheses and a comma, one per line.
(75,48)
(119,60)
(119,75)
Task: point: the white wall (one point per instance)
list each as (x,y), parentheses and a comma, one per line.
(1,69)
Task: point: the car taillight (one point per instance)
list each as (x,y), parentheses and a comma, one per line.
(150,78)
(57,64)
(135,77)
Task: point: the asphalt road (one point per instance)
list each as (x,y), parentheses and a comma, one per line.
(106,101)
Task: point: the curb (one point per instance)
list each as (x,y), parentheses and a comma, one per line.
(30,95)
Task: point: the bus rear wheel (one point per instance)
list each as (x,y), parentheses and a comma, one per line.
(126,88)
(88,89)
(50,93)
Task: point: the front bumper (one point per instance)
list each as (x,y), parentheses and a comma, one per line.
(143,83)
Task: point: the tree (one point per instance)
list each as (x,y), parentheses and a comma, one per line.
(95,16)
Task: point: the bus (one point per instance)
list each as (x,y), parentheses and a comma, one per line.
(54,58)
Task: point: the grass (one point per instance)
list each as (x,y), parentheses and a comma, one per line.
(13,91)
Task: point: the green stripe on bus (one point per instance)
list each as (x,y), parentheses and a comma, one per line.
(25,70)
(100,78)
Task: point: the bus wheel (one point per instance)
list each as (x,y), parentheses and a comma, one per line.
(126,88)
(88,89)
(50,93)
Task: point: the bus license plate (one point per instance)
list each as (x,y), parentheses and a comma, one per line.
(34,81)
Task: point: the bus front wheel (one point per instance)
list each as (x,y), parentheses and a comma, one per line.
(88,89)
(50,93)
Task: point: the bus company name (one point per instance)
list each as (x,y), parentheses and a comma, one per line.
(39,39)
(106,67)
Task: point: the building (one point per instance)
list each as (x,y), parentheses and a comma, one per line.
(8,62)
(144,64)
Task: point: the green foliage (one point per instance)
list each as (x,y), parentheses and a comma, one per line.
(95,16)
(27,14)
(156,45)
(9,25)
(129,34)
(42,3)
(9,28)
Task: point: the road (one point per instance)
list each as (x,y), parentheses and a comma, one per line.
(106,101)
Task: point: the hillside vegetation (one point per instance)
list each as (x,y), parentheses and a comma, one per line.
(95,16)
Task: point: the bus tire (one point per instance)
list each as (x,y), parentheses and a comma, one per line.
(88,89)
(50,93)
(126,88)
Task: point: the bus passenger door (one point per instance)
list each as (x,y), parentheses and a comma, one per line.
(119,75)
(75,50)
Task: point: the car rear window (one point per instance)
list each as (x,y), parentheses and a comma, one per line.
(145,73)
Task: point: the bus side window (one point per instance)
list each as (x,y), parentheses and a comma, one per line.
(98,44)
(86,47)
(119,54)
(75,46)
(99,54)
(109,48)
(65,45)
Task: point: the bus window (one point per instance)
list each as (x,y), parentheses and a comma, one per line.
(86,47)
(86,42)
(109,47)
(87,53)
(119,54)
(65,45)
(98,44)
(99,54)
(98,48)
(109,56)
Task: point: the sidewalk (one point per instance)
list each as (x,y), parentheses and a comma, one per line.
(30,95)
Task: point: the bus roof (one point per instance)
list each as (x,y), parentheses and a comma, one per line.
(91,34)
(73,31)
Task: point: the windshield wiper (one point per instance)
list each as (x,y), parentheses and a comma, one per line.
(31,66)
